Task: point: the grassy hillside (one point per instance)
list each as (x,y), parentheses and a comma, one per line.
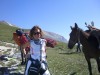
(63,61)
(6,32)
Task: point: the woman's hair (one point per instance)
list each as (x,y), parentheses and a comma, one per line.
(32,31)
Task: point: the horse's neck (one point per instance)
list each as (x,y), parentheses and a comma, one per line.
(83,37)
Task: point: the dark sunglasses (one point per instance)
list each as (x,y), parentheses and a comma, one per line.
(36,33)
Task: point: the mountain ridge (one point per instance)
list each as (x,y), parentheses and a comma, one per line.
(55,36)
(46,34)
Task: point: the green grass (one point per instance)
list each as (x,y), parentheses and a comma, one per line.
(61,60)
(6,32)
(68,63)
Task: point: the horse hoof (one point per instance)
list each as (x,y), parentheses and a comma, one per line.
(22,63)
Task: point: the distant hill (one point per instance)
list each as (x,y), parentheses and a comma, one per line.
(54,36)
(7,23)
(7,29)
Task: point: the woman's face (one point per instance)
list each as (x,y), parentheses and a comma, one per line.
(37,34)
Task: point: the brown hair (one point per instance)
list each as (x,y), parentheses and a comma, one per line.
(32,31)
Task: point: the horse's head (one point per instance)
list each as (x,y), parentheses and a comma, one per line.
(74,35)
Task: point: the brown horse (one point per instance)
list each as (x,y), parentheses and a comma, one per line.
(19,40)
(90,48)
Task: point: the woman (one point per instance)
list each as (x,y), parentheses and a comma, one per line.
(37,53)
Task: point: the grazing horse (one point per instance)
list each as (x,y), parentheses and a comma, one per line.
(89,48)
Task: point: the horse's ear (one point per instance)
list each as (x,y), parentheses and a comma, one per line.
(85,23)
(76,26)
(71,27)
(92,23)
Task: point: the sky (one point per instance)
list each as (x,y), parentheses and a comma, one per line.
(51,15)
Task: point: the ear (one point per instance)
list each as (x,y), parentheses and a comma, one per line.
(71,27)
(92,23)
(76,26)
(85,23)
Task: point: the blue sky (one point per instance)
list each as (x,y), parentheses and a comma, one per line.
(51,15)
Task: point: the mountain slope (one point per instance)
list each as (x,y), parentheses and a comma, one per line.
(6,32)
(54,36)
(7,29)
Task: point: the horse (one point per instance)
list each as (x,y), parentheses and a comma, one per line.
(19,40)
(89,47)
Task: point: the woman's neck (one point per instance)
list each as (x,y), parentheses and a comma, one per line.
(36,41)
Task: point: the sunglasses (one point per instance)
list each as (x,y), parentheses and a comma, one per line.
(36,33)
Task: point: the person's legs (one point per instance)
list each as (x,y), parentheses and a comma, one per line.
(27,67)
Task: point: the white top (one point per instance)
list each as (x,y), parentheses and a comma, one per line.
(35,49)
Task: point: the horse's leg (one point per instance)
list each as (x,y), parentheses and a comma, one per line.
(77,49)
(80,49)
(89,65)
(98,39)
(99,42)
(98,63)
(25,56)
(22,55)
(25,59)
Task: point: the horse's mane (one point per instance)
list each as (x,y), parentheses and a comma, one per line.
(84,32)
(91,39)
